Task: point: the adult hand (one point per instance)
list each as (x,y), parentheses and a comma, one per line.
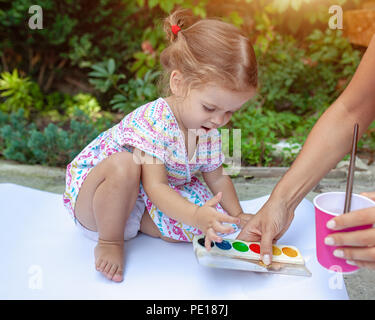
(267,226)
(359,245)
(245,217)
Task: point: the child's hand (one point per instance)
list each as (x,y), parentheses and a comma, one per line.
(209,220)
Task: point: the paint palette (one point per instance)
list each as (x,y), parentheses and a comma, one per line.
(241,255)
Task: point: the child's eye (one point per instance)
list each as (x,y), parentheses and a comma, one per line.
(208,109)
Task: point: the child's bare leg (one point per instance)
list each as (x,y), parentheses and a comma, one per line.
(148,227)
(105,201)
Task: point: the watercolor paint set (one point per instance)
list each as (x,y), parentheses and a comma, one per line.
(241,255)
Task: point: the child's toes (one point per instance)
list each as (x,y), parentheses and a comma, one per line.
(111,272)
(102,265)
(118,275)
(107,270)
(98,264)
(109,255)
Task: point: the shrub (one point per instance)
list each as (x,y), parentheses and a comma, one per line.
(53,145)
(298,81)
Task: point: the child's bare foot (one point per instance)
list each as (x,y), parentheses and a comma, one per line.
(109,259)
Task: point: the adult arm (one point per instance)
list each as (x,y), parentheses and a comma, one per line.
(329,140)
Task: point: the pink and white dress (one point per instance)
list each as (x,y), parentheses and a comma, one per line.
(153,129)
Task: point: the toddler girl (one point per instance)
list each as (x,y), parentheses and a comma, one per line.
(140,174)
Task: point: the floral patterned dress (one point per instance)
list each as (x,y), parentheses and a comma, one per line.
(153,129)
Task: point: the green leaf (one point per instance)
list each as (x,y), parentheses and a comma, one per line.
(96,74)
(140,55)
(166,5)
(100,69)
(152,3)
(111,66)
(136,65)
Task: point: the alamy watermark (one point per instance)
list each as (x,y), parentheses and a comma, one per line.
(336,20)
(36,277)
(336,281)
(36,20)
(216,151)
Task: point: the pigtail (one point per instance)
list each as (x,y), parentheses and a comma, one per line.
(204,51)
(183,18)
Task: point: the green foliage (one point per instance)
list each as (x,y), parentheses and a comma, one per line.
(117,45)
(260,129)
(14,136)
(103,76)
(85,103)
(297,17)
(330,47)
(54,146)
(106,30)
(82,50)
(131,94)
(367,141)
(136,92)
(143,63)
(19,93)
(50,145)
(198,8)
(298,81)
(26,94)
(304,80)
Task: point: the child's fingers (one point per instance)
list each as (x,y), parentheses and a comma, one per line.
(228,218)
(218,227)
(214,200)
(211,236)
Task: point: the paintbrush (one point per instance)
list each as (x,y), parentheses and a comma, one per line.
(350,179)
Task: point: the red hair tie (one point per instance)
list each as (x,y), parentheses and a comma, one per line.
(175,29)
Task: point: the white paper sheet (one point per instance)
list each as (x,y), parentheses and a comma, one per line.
(44,256)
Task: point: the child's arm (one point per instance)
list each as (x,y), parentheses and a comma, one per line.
(155,182)
(218,181)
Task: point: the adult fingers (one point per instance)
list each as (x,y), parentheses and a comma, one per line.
(352,219)
(365,254)
(266,246)
(250,232)
(364,264)
(359,238)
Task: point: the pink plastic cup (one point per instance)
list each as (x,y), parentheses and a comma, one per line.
(327,206)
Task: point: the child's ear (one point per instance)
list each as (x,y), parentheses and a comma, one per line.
(176,82)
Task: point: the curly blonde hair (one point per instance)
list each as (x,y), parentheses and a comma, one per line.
(207,51)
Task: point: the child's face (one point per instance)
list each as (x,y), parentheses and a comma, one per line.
(211,106)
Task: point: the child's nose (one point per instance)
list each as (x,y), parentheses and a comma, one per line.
(218,120)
